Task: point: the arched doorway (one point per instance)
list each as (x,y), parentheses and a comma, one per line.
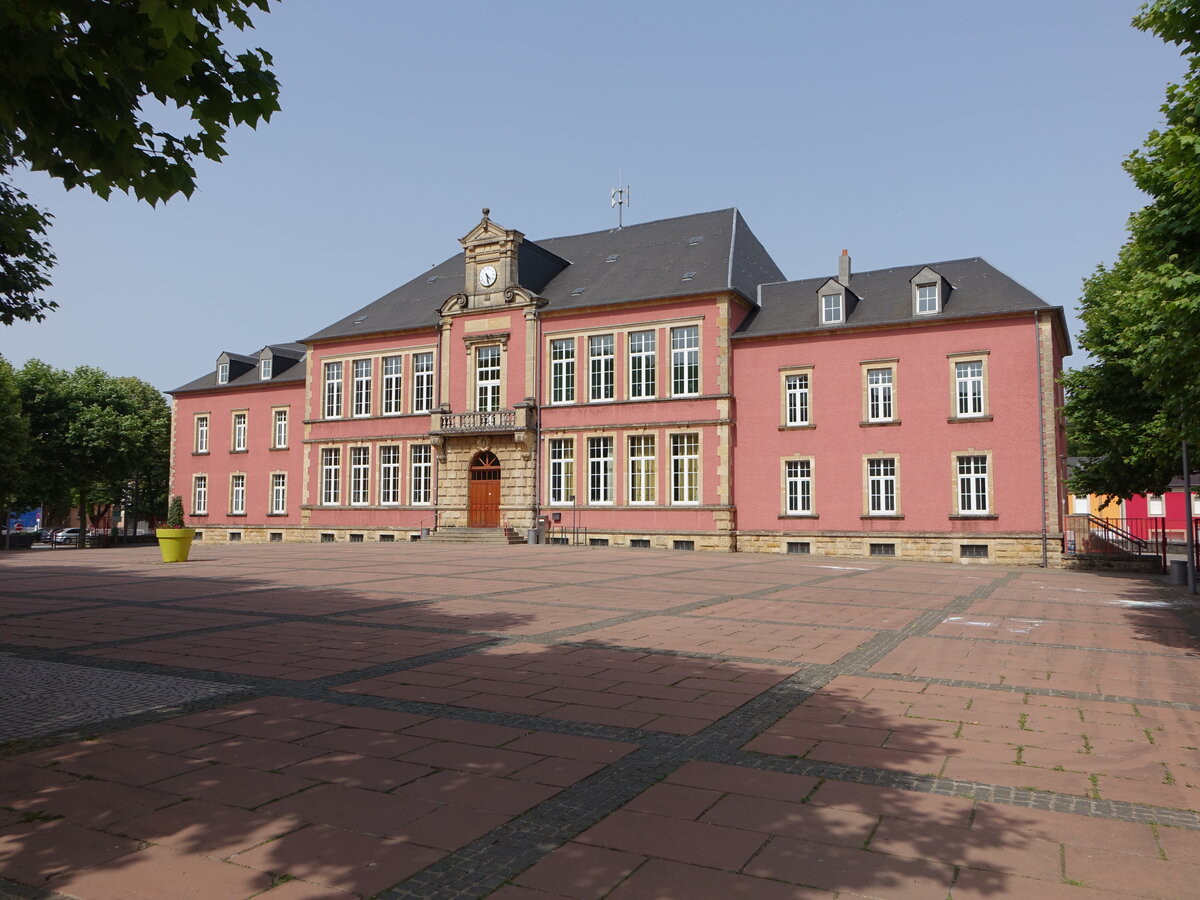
(484,505)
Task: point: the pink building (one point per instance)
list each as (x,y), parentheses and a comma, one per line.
(658,385)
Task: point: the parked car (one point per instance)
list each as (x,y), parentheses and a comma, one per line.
(66,536)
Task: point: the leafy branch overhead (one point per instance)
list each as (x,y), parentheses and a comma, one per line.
(1130,409)
(75,76)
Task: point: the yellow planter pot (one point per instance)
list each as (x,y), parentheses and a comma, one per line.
(174,543)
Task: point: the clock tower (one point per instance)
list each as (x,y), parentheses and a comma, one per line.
(490,264)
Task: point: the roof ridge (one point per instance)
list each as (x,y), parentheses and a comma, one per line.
(559,237)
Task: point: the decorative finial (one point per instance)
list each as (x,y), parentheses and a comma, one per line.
(486,211)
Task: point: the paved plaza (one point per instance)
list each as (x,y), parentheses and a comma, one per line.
(296,722)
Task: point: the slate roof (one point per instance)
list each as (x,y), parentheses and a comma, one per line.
(885,298)
(651,261)
(251,377)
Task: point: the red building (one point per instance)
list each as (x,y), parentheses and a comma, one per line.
(658,385)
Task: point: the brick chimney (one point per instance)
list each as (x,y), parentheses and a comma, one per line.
(844,268)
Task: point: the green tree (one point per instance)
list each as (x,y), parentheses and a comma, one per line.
(93,434)
(74,75)
(14,426)
(1130,409)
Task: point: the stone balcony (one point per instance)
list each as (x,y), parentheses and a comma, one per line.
(499,421)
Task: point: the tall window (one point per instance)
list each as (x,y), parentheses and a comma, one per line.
(685,360)
(927,298)
(422,473)
(200,495)
(223,373)
(600,470)
(601,367)
(879,395)
(798,486)
(487,378)
(562,370)
(389,474)
(201,434)
(968,388)
(239,431)
(973,485)
(641,468)
(685,468)
(279,431)
(237,495)
(641,364)
(360,475)
(796,400)
(331,476)
(278,494)
(333,390)
(831,308)
(881,486)
(362,387)
(422,382)
(264,368)
(562,470)
(1154,504)
(391,385)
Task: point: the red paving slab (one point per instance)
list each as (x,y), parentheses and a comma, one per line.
(348,800)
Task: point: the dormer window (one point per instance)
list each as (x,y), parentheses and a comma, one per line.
(929,292)
(831,309)
(927,299)
(223,373)
(264,369)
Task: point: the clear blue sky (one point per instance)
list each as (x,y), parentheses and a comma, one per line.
(906,132)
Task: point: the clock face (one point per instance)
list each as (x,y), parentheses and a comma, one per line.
(487,276)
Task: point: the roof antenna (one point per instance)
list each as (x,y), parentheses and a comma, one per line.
(620,199)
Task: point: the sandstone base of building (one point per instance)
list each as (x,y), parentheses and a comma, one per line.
(972,549)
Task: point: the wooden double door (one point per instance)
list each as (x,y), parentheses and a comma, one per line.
(483,510)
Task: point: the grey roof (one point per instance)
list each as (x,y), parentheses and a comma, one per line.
(250,377)
(652,260)
(885,298)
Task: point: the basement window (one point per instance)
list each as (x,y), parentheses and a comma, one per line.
(327,537)
(883,549)
(356,538)
(597,542)
(235,536)
(803,547)
(684,545)
(387,539)
(640,543)
(276,537)
(973,551)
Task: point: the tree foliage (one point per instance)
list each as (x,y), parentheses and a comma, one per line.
(1131,408)
(14,429)
(92,434)
(74,78)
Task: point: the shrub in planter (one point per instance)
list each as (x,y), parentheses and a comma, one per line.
(175,541)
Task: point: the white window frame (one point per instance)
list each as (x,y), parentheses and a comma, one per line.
(487,378)
(882,486)
(685,361)
(832,308)
(278,493)
(332,394)
(361,385)
(881,396)
(241,428)
(331,476)
(1081,505)
(643,465)
(1155,505)
(421,478)
(201,430)
(562,370)
(279,430)
(389,475)
(973,473)
(798,487)
(928,300)
(643,364)
(392,386)
(797,396)
(360,476)
(237,494)
(602,368)
(199,495)
(422,382)
(561,480)
(969,389)
(265,368)
(685,469)
(223,373)
(600,470)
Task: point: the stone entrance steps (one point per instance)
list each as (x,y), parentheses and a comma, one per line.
(459,535)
